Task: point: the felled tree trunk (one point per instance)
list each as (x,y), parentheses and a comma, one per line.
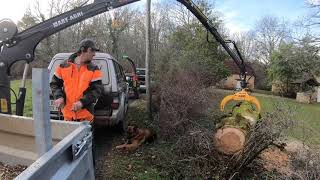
(231,133)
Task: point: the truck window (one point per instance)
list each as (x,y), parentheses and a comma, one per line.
(122,74)
(103,65)
(141,71)
(53,68)
(118,71)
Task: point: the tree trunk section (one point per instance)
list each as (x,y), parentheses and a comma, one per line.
(232,131)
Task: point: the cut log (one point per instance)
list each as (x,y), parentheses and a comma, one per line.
(229,140)
(231,133)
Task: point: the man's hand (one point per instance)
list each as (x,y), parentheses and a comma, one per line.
(76,106)
(59,102)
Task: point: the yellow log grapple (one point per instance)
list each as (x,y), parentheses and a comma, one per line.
(243,95)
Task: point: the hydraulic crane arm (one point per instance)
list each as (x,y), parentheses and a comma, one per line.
(236,56)
(21,46)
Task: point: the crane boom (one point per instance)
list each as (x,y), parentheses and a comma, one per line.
(21,46)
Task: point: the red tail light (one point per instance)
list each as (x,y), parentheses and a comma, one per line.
(115,103)
(135,77)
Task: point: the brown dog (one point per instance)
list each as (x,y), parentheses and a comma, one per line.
(135,137)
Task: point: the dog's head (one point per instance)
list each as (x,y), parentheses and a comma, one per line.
(132,131)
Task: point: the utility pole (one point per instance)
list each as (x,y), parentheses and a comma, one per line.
(148,51)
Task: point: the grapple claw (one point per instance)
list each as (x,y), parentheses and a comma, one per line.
(225,100)
(241,96)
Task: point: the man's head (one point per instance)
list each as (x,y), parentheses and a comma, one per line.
(87,50)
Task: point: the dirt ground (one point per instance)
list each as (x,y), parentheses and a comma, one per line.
(285,162)
(275,159)
(9,172)
(113,164)
(104,138)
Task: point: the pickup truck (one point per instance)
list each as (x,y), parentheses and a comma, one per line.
(141,72)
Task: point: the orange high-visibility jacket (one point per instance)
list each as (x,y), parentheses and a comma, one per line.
(77,84)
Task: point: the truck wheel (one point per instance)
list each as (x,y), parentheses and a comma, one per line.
(136,94)
(122,126)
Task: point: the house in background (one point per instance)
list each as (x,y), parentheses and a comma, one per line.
(231,81)
(306,88)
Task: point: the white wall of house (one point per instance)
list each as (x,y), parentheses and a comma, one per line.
(232,83)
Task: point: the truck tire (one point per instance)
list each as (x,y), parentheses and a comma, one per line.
(136,94)
(122,126)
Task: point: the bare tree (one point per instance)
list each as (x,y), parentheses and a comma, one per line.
(116,27)
(269,34)
(246,43)
(313,20)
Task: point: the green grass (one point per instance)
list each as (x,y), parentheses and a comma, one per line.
(131,166)
(305,116)
(15,84)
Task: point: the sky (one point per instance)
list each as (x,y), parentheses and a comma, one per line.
(14,9)
(242,15)
(238,15)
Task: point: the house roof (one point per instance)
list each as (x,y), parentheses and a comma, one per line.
(234,69)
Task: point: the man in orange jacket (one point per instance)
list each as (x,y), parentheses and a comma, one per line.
(77,84)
